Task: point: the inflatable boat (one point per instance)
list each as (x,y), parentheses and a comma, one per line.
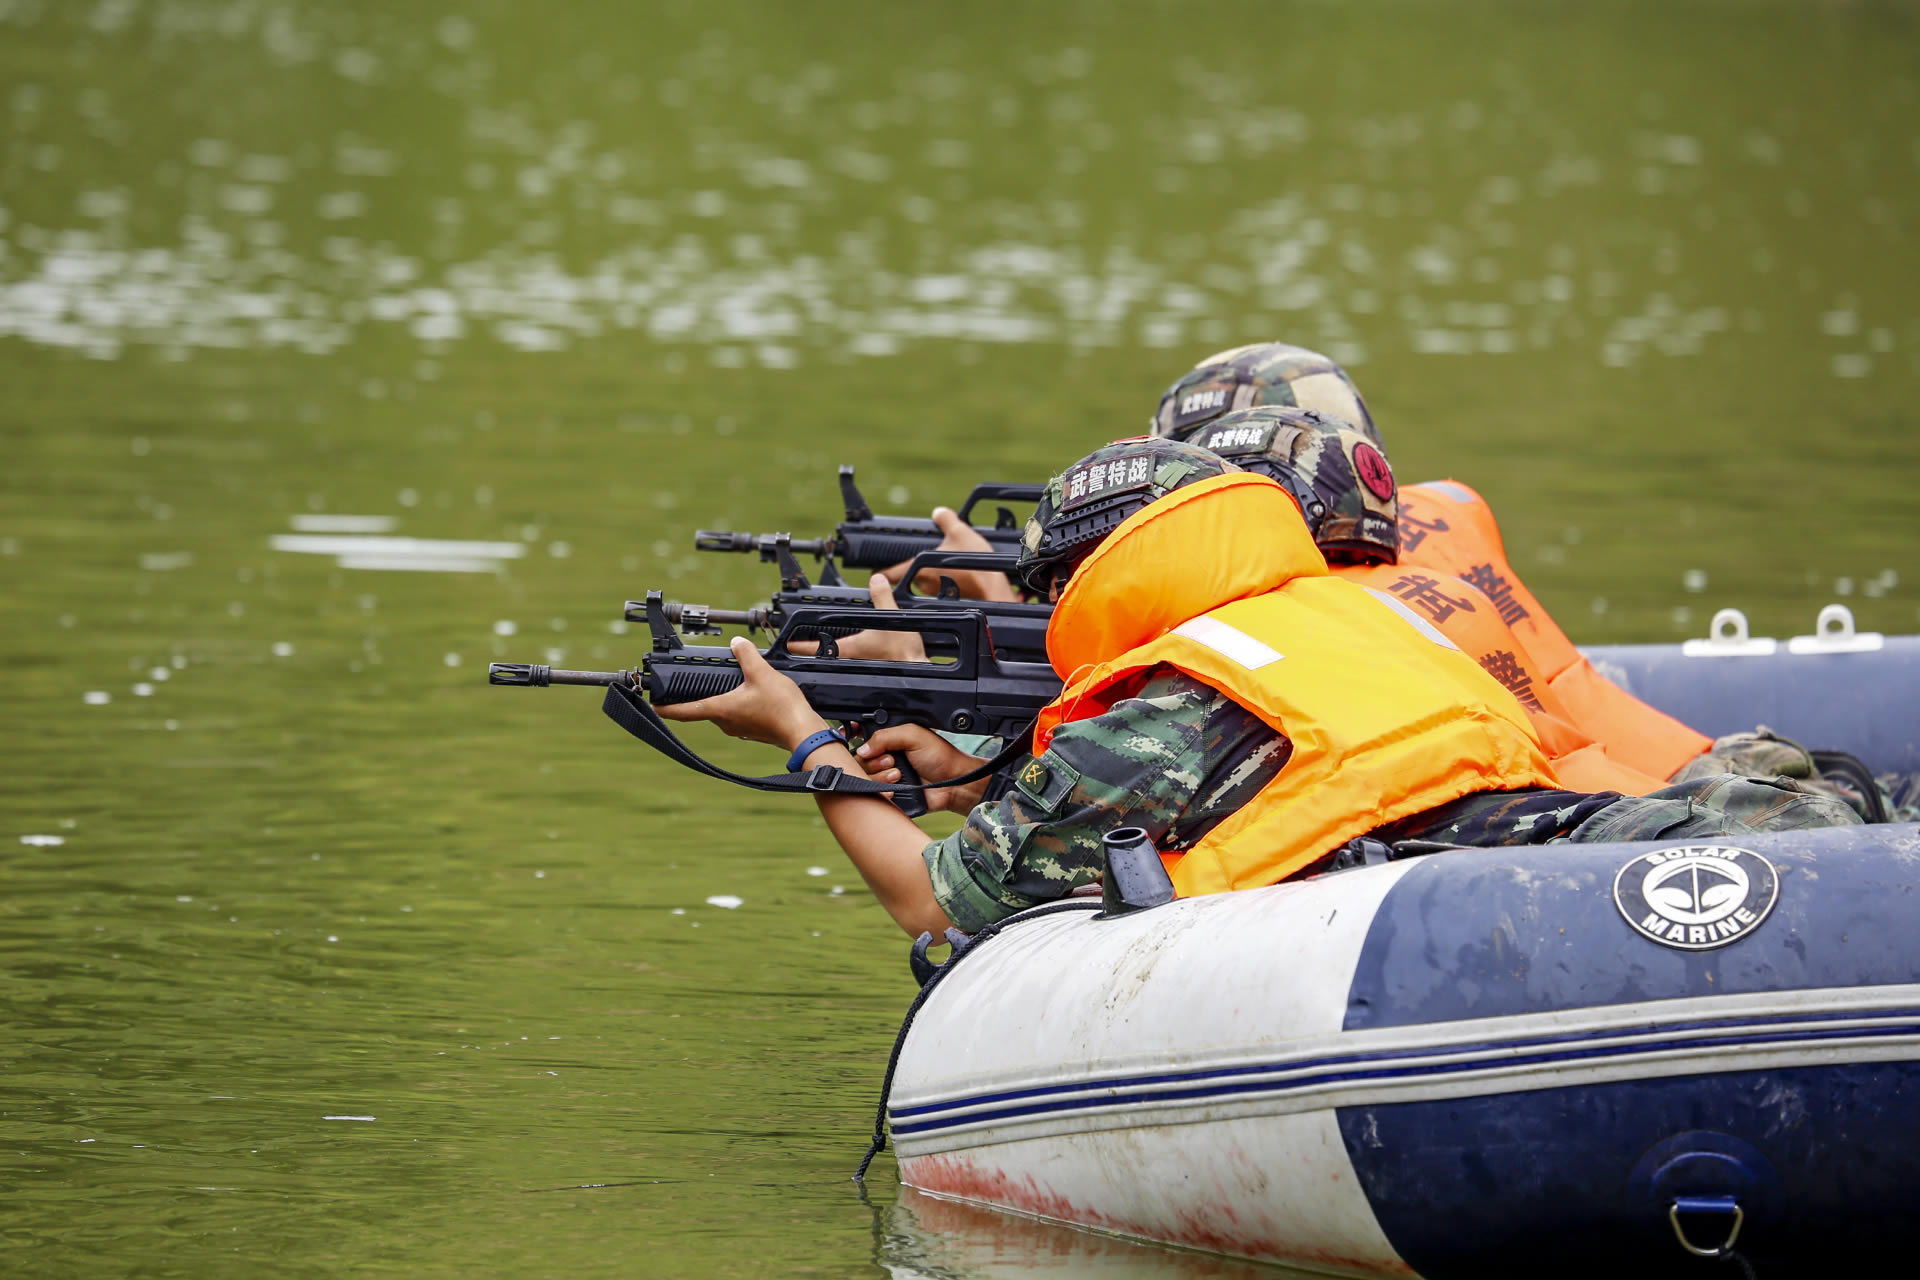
(1579,1059)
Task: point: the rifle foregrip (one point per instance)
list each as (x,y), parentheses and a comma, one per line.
(690,684)
(883,548)
(861,550)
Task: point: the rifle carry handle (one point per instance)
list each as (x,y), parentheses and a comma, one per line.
(1005,493)
(986,561)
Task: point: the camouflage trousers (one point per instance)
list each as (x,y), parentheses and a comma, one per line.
(1721,805)
(1764,754)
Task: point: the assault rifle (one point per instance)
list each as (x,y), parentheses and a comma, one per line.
(976,692)
(864,540)
(1018,630)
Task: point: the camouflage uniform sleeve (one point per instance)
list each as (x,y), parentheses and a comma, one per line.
(1176,759)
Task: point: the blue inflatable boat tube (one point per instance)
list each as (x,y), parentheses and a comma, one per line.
(1833,690)
(1574,1060)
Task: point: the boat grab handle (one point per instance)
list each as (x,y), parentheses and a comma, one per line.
(1833,633)
(1702,1205)
(1727,637)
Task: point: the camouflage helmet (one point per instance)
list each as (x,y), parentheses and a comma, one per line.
(1264,373)
(1089,500)
(1339,477)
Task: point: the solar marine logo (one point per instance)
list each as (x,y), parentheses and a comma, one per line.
(1696,897)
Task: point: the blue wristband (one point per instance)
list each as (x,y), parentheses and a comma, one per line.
(810,744)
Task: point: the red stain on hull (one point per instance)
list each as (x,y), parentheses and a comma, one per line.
(957,1176)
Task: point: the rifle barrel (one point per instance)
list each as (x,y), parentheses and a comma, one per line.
(760,618)
(728,540)
(538,675)
(700,617)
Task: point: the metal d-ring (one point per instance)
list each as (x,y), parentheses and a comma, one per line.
(1706,1204)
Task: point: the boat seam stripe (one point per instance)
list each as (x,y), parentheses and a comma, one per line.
(1642,1033)
(1231,1082)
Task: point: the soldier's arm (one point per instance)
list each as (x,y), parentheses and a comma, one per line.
(1175,759)
(882,843)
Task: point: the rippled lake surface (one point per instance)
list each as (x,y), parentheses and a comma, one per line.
(321,956)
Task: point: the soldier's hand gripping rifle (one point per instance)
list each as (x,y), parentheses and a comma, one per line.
(864,540)
(974,693)
(1018,630)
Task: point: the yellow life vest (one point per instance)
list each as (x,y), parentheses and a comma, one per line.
(1448,527)
(1387,717)
(1474,622)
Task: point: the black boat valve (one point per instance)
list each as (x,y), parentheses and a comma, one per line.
(1132,876)
(1365,851)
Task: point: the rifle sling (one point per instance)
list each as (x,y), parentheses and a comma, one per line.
(630,710)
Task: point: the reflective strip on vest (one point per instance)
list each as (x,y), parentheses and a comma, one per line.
(1418,623)
(1229,641)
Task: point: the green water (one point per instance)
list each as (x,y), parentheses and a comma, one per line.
(581,278)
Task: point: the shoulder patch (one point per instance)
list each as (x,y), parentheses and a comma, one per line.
(1371,465)
(1045,780)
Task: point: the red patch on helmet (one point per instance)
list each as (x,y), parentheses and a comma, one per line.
(1373,470)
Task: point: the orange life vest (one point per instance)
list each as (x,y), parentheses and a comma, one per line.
(1387,717)
(1446,526)
(1471,621)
